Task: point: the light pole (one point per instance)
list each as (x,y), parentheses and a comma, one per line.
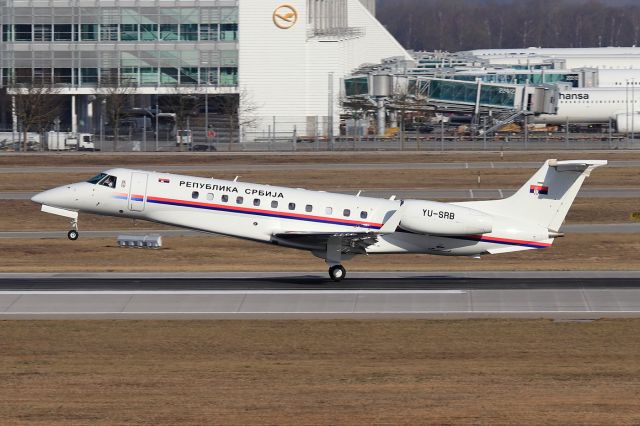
(633,109)
(627,105)
(206,117)
(330,113)
(157,127)
(103,104)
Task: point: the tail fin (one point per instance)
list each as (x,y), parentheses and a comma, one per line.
(546,198)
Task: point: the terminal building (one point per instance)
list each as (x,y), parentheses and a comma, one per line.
(282,59)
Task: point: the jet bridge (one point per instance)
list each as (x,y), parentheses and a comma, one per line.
(402,92)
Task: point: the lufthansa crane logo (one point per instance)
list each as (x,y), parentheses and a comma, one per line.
(285,16)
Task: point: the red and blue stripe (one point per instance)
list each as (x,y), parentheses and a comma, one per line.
(120,196)
(263,213)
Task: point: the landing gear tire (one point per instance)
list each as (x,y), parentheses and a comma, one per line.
(337,273)
(73,235)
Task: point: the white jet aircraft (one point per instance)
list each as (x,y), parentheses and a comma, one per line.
(334,227)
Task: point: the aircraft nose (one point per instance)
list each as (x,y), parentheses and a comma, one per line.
(52,197)
(42,197)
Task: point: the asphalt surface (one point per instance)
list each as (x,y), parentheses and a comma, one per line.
(305,296)
(337,165)
(430,194)
(274,281)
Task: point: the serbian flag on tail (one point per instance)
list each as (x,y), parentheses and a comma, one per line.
(539,189)
(163,180)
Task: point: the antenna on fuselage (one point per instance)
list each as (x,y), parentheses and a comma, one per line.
(236,179)
(393,197)
(358,194)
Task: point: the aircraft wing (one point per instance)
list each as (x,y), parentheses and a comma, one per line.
(345,242)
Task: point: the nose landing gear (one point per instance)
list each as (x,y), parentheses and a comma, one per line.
(337,273)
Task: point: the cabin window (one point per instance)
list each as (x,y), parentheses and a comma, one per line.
(256,202)
(364,215)
(195,195)
(328,210)
(308,208)
(210,196)
(239,200)
(346,213)
(225,198)
(292,206)
(274,204)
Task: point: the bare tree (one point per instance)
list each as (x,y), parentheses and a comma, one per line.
(115,94)
(404,102)
(183,106)
(36,106)
(240,111)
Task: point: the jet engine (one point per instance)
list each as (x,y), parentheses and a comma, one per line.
(626,123)
(431,217)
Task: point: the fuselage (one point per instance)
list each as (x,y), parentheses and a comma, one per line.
(594,105)
(262,212)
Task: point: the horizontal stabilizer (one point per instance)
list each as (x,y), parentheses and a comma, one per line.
(576,165)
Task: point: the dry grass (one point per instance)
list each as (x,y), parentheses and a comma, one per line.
(499,372)
(202,254)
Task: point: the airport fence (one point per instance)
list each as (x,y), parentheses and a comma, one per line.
(225,140)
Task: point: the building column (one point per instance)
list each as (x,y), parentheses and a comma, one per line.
(86,122)
(74,115)
(85,112)
(382,117)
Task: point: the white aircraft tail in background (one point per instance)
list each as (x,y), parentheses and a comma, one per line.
(334,227)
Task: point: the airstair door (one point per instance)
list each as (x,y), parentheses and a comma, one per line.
(138,192)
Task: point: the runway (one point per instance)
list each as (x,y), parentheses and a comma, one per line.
(557,295)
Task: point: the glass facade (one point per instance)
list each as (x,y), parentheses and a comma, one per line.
(546,77)
(459,92)
(90,43)
(356,86)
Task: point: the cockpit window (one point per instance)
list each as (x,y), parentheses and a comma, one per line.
(97,178)
(109,181)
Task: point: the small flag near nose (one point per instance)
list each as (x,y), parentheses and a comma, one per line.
(539,189)
(163,180)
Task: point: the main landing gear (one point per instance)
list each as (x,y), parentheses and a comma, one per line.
(337,273)
(73,234)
